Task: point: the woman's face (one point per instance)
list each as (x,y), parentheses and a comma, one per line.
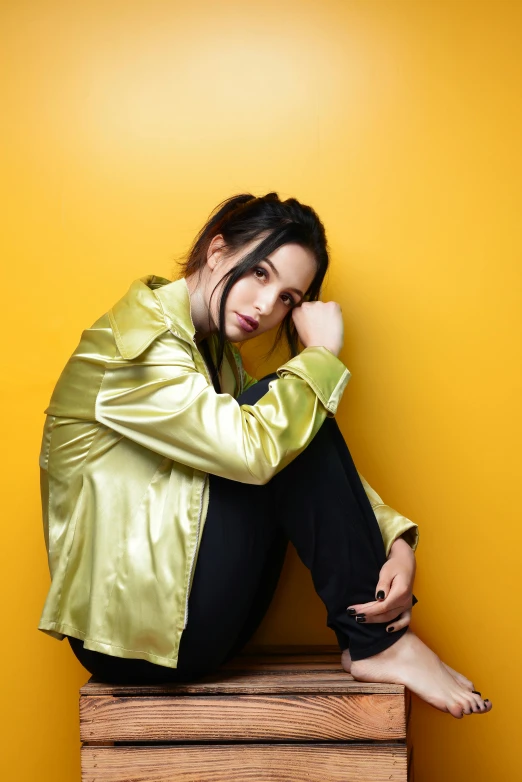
(260,299)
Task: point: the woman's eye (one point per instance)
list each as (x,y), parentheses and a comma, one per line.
(262,274)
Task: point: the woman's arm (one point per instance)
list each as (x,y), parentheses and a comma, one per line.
(163,403)
(393,525)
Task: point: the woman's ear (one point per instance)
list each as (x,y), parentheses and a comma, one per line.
(215,251)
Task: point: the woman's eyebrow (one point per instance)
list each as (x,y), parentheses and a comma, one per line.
(295,290)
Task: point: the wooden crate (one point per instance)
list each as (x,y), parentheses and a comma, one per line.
(273,713)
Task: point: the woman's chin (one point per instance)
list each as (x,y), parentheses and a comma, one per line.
(237,334)
(237,338)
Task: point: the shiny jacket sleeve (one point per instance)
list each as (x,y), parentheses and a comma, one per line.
(165,404)
(392,524)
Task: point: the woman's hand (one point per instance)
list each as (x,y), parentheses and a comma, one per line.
(320,323)
(394,590)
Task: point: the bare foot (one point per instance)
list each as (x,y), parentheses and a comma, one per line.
(410,662)
(460,678)
(346,662)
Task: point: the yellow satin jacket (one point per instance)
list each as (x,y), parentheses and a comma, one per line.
(133,429)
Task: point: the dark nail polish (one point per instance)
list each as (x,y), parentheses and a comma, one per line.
(486,700)
(351,611)
(380,595)
(390,629)
(360,618)
(476,692)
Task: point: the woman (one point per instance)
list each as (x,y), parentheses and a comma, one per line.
(172,481)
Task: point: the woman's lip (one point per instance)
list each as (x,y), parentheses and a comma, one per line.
(245,324)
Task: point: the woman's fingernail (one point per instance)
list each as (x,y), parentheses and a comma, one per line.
(476,692)
(351,611)
(360,618)
(380,594)
(486,700)
(390,629)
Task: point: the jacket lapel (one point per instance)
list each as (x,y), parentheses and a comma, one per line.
(151,306)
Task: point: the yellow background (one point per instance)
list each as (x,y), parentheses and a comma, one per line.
(124,122)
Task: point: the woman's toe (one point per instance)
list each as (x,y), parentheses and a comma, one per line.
(456,711)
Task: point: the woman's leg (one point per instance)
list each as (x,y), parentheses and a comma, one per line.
(323,509)
(321,504)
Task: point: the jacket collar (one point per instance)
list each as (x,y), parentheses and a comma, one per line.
(152,306)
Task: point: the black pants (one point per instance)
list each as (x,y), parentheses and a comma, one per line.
(317,502)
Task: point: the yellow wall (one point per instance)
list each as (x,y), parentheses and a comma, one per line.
(124,123)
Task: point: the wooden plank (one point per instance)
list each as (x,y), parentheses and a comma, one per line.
(243,718)
(271,681)
(246,763)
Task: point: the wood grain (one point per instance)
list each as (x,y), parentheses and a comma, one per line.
(276,694)
(260,681)
(243,718)
(246,763)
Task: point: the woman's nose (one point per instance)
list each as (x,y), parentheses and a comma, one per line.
(265,302)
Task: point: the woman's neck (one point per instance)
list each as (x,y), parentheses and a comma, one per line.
(199,311)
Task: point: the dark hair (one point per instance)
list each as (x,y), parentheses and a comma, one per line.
(240,220)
